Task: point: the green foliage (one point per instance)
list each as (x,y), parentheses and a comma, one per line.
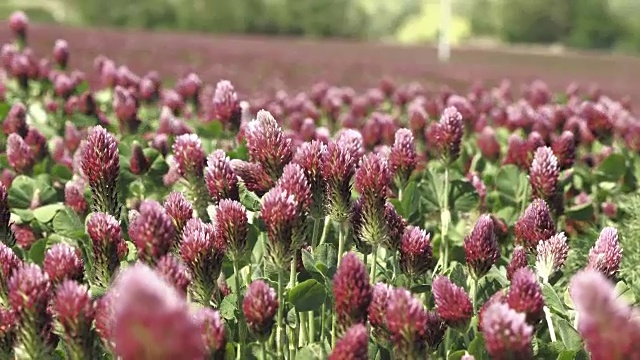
(629,234)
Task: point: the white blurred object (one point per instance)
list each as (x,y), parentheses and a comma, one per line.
(444,42)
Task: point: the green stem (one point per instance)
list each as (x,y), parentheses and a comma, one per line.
(341,241)
(323,322)
(445,217)
(374,263)
(394,265)
(241,333)
(334,330)
(547,315)
(302,339)
(325,230)
(474,293)
(400,194)
(292,283)
(279,324)
(312,327)
(314,234)
(263,350)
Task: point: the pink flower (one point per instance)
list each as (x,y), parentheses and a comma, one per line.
(518,152)
(139,164)
(311,156)
(525,295)
(606,254)
(294,181)
(174,272)
(203,253)
(507,334)
(544,173)
(8,329)
(416,254)
(74,196)
(372,180)
(267,144)
(447,134)
(488,143)
(24,236)
(152,232)
(16,120)
(212,330)
(232,227)
(481,247)
(19,24)
(354,345)
(9,262)
(281,214)
(552,253)
(452,303)
(19,154)
(254,176)
(29,294)
(352,292)
(151,320)
(609,326)
(403,156)
(260,306)
(189,156)
(564,148)
(226,106)
(377,311)
(180,210)
(74,310)
(108,246)
(518,261)
(534,225)
(61,53)
(62,262)
(338,170)
(396,226)
(101,166)
(408,323)
(220,178)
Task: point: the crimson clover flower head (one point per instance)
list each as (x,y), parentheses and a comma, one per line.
(378,306)
(403,156)
(535,225)
(481,247)
(213,332)
(544,173)
(354,345)
(280,212)
(564,148)
(254,176)
(452,303)
(260,306)
(448,133)
(226,106)
(498,297)
(416,254)
(8,327)
(179,209)
(372,178)
(29,291)
(609,326)
(187,150)
(139,164)
(525,295)
(407,322)
(106,236)
(338,171)
(19,24)
(551,255)
(396,226)
(517,152)
(74,196)
(353,141)
(16,120)
(352,292)
(6,234)
(104,316)
(606,254)
(189,87)
(174,272)
(61,53)
(506,332)
(220,178)
(436,328)
(151,320)
(152,232)
(294,181)
(267,144)
(518,261)
(24,235)
(488,143)
(311,156)
(73,308)
(37,142)
(232,226)
(63,262)
(19,154)
(9,262)
(101,166)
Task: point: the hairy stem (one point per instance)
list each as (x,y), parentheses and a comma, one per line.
(241,332)
(374,263)
(279,323)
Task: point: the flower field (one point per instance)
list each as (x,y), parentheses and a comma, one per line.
(144,217)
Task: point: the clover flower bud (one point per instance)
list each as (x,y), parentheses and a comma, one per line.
(606,254)
(101,166)
(525,295)
(416,254)
(352,292)
(260,306)
(267,144)
(152,232)
(481,247)
(63,262)
(551,255)
(506,332)
(452,303)
(220,178)
(518,260)
(354,345)
(534,225)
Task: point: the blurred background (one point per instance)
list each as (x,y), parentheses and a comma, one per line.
(587,24)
